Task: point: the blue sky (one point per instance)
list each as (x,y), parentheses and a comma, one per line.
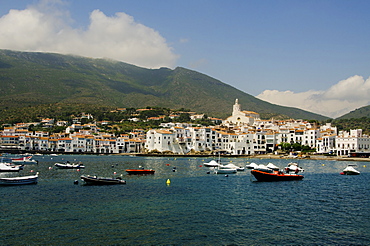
(313,55)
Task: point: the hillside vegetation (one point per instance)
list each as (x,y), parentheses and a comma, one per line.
(357,113)
(33,82)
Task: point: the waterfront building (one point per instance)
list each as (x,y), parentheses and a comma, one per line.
(352,143)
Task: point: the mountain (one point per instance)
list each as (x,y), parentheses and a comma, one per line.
(357,113)
(29,79)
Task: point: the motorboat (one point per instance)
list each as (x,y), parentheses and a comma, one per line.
(9,167)
(293,166)
(231,165)
(68,165)
(272,166)
(252,166)
(140,171)
(350,170)
(25,180)
(212,163)
(94,180)
(275,176)
(24,160)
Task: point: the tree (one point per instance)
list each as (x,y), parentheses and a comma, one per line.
(184,117)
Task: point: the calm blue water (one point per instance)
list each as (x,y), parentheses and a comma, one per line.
(195,209)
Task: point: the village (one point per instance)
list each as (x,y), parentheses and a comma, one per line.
(243,133)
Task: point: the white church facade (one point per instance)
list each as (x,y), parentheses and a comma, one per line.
(240,118)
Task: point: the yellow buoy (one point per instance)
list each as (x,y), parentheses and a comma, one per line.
(364,165)
(323,164)
(168,181)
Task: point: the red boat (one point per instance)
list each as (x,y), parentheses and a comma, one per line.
(275,176)
(140,171)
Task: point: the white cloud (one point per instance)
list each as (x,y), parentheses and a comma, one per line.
(338,100)
(46,28)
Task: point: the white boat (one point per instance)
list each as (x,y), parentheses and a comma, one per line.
(68,165)
(252,166)
(350,170)
(24,160)
(232,166)
(19,180)
(293,166)
(272,166)
(224,170)
(9,167)
(264,168)
(212,163)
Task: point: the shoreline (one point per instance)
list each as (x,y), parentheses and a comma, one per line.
(262,156)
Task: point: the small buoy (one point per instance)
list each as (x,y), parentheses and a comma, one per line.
(173,170)
(168,181)
(364,165)
(112,165)
(115,173)
(31,171)
(323,164)
(75,182)
(226,175)
(167,164)
(50,168)
(208,172)
(78,170)
(200,166)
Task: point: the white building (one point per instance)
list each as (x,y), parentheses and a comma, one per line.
(240,117)
(352,143)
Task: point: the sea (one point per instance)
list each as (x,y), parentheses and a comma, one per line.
(197,207)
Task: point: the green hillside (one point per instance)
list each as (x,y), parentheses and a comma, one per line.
(357,113)
(30,79)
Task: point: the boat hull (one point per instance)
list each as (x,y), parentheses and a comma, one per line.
(276,176)
(19,180)
(349,173)
(225,171)
(93,180)
(140,171)
(69,166)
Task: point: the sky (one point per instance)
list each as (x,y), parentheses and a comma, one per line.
(313,55)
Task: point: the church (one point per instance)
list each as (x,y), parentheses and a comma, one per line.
(240,117)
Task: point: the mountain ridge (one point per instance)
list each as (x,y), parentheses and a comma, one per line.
(34,78)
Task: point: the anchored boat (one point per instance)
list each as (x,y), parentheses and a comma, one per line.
(275,176)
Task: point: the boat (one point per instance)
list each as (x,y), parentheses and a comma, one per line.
(263,168)
(94,180)
(212,163)
(224,170)
(233,166)
(23,160)
(275,176)
(9,167)
(293,166)
(140,171)
(350,170)
(68,165)
(272,166)
(252,166)
(19,180)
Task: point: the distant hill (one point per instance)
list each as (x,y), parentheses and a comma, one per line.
(357,113)
(30,79)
